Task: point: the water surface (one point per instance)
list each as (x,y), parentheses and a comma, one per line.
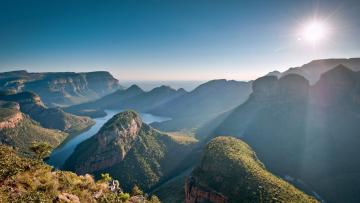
(60,154)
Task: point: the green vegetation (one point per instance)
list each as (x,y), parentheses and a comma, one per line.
(230,167)
(41,150)
(5,113)
(52,118)
(74,88)
(182,137)
(27,180)
(26,132)
(105,177)
(143,158)
(136,191)
(172,191)
(307,132)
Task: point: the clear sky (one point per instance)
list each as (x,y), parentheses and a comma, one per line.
(172,39)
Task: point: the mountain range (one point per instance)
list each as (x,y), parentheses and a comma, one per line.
(314,69)
(60,89)
(302,131)
(187,109)
(131,151)
(54,118)
(284,137)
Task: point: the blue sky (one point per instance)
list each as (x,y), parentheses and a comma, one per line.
(173,39)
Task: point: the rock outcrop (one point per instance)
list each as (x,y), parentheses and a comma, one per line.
(313,130)
(20,131)
(195,194)
(54,118)
(59,89)
(312,71)
(230,171)
(11,121)
(130,151)
(114,142)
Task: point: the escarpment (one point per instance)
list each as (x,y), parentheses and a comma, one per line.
(10,120)
(230,171)
(114,141)
(194,193)
(130,151)
(63,88)
(54,118)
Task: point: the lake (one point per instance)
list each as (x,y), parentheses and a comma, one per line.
(59,155)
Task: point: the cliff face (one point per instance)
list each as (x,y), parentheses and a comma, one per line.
(114,142)
(303,126)
(230,171)
(11,120)
(312,71)
(61,88)
(20,131)
(130,151)
(194,194)
(55,118)
(288,88)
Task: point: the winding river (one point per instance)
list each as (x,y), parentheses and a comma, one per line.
(61,153)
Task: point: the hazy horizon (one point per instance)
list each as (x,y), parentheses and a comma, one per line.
(177,40)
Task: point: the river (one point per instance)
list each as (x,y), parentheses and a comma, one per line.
(59,155)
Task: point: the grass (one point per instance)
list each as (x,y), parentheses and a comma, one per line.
(28,131)
(230,167)
(182,137)
(26,180)
(5,113)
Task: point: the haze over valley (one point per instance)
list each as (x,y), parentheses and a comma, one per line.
(180,101)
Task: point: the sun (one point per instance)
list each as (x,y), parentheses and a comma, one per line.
(314,31)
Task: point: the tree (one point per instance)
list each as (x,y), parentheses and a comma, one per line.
(105,177)
(41,150)
(124,197)
(154,199)
(136,191)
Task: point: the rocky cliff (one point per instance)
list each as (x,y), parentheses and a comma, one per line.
(55,118)
(59,89)
(231,172)
(303,126)
(114,142)
(313,70)
(195,194)
(20,131)
(9,118)
(131,151)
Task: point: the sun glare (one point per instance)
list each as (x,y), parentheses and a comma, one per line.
(314,32)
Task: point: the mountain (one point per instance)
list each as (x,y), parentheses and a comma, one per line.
(131,151)
(54,118)
(230,172)
(20,131)
(132,98)
(26,180)
(313,70)
(112,101)
(203,103)
(187,109)
(62,88)
(313,130)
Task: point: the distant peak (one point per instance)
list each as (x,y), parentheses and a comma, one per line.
(181,90)
(163,88)
(338,70)
(341,66)
(134,87)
